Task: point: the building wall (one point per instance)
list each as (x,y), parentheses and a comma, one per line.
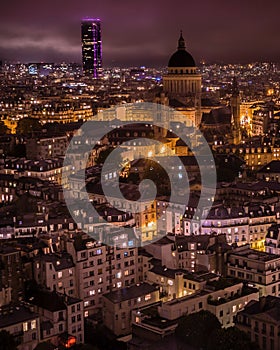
(118,316)
(264,275)
(26,334)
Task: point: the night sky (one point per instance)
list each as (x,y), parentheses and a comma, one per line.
(141,32)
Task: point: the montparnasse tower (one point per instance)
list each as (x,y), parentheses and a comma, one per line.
(182,79)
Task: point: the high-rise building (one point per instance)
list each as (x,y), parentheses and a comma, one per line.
(92,47)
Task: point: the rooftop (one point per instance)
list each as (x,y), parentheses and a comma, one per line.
(52,301)
(130,292)
(269,305)
(255,254)
(272,167)
(14,315)
(59,261)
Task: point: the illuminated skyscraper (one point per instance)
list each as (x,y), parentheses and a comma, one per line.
(92,47)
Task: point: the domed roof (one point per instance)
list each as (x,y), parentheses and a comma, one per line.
(181,58)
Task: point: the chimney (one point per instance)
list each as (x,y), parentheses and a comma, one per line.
(262,303)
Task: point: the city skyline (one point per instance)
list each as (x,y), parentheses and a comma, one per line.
(216,32)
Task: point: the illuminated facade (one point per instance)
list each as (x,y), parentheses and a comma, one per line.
(182,80)
(223,298)
(92,47)
(242,225)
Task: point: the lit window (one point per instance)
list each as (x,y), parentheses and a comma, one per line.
(148,297)
(25,326)
(59,274)
(33,324)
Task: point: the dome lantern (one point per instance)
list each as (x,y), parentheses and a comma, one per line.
(181,58)
(181,42)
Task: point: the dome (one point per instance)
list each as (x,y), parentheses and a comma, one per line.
(181,58)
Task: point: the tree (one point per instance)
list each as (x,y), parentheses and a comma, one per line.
(7,341)
(3,128)
(195,329)
(28,125)
(230,338)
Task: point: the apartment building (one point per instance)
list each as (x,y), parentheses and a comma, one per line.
(11,273)
(44,169)
(90,260)
(61,317)
(118,306)
(46,147)
(270,172)
(272,240)
(144,264)
(56,272)
(100,269)
(261,321)
(222,297)
(259,269)
(247,224)
(145,211)
(259,191)
(23,324)
(192,253)
(256,153)
(177,283)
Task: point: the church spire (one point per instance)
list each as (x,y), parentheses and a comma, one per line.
(235,88)
(181,42)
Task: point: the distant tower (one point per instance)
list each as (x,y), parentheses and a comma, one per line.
(182,79)
(92,47)
(235,112)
